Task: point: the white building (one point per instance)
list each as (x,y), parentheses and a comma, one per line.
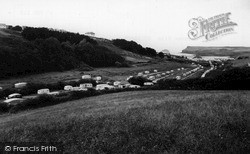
(146,72)
(139,74)
(75,88)
(54,93)
(79,89)
(98,78)
(68,87)
(86,77)
(158,75)
(151,78)
(90,34)
(43,91)
(155,71)
(121,86)
(20,85)
(104,87)
(178,77)
(148,83)
(86,85)
(15,95)
(13,101)
(127,85)
(116,83)
(83,89)
(134,86)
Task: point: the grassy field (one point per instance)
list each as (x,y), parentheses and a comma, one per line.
(139,122)
(110,73)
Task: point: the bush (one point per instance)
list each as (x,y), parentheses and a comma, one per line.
(4,93)
(40,101)
(138,80)
(17,28)
(4,107)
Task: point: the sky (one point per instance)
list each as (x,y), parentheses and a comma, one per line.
(160,24)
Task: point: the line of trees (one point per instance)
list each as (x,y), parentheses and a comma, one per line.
(32,33)
(45,50)
(134,47)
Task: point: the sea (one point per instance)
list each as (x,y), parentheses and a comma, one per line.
(191,56)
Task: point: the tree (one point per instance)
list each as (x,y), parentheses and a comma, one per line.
(17,28)
(161,54)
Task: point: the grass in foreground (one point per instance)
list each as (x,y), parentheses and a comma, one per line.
(177,122)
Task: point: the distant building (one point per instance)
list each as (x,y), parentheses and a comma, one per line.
(86,85)
(151,78)
(140,74)
(166,52)
(121,86)
(20,85)
(104,87)
(98,78)
(134,86)
(116,83)
(68,87)
(43,91)
(90,33)
(178,77)
(148,83)
(158,75)
(86,77)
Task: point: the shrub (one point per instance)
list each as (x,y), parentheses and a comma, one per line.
(41,101)
(138,80)
(4,107)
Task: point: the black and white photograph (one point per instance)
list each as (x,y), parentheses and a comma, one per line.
(125,76)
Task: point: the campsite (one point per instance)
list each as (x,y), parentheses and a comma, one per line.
(125,77)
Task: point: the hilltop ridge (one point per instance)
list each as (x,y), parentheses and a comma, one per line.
(232,51)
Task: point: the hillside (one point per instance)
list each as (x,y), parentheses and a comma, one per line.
(128,55)
(39,50)
(217,51)
(138,122)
